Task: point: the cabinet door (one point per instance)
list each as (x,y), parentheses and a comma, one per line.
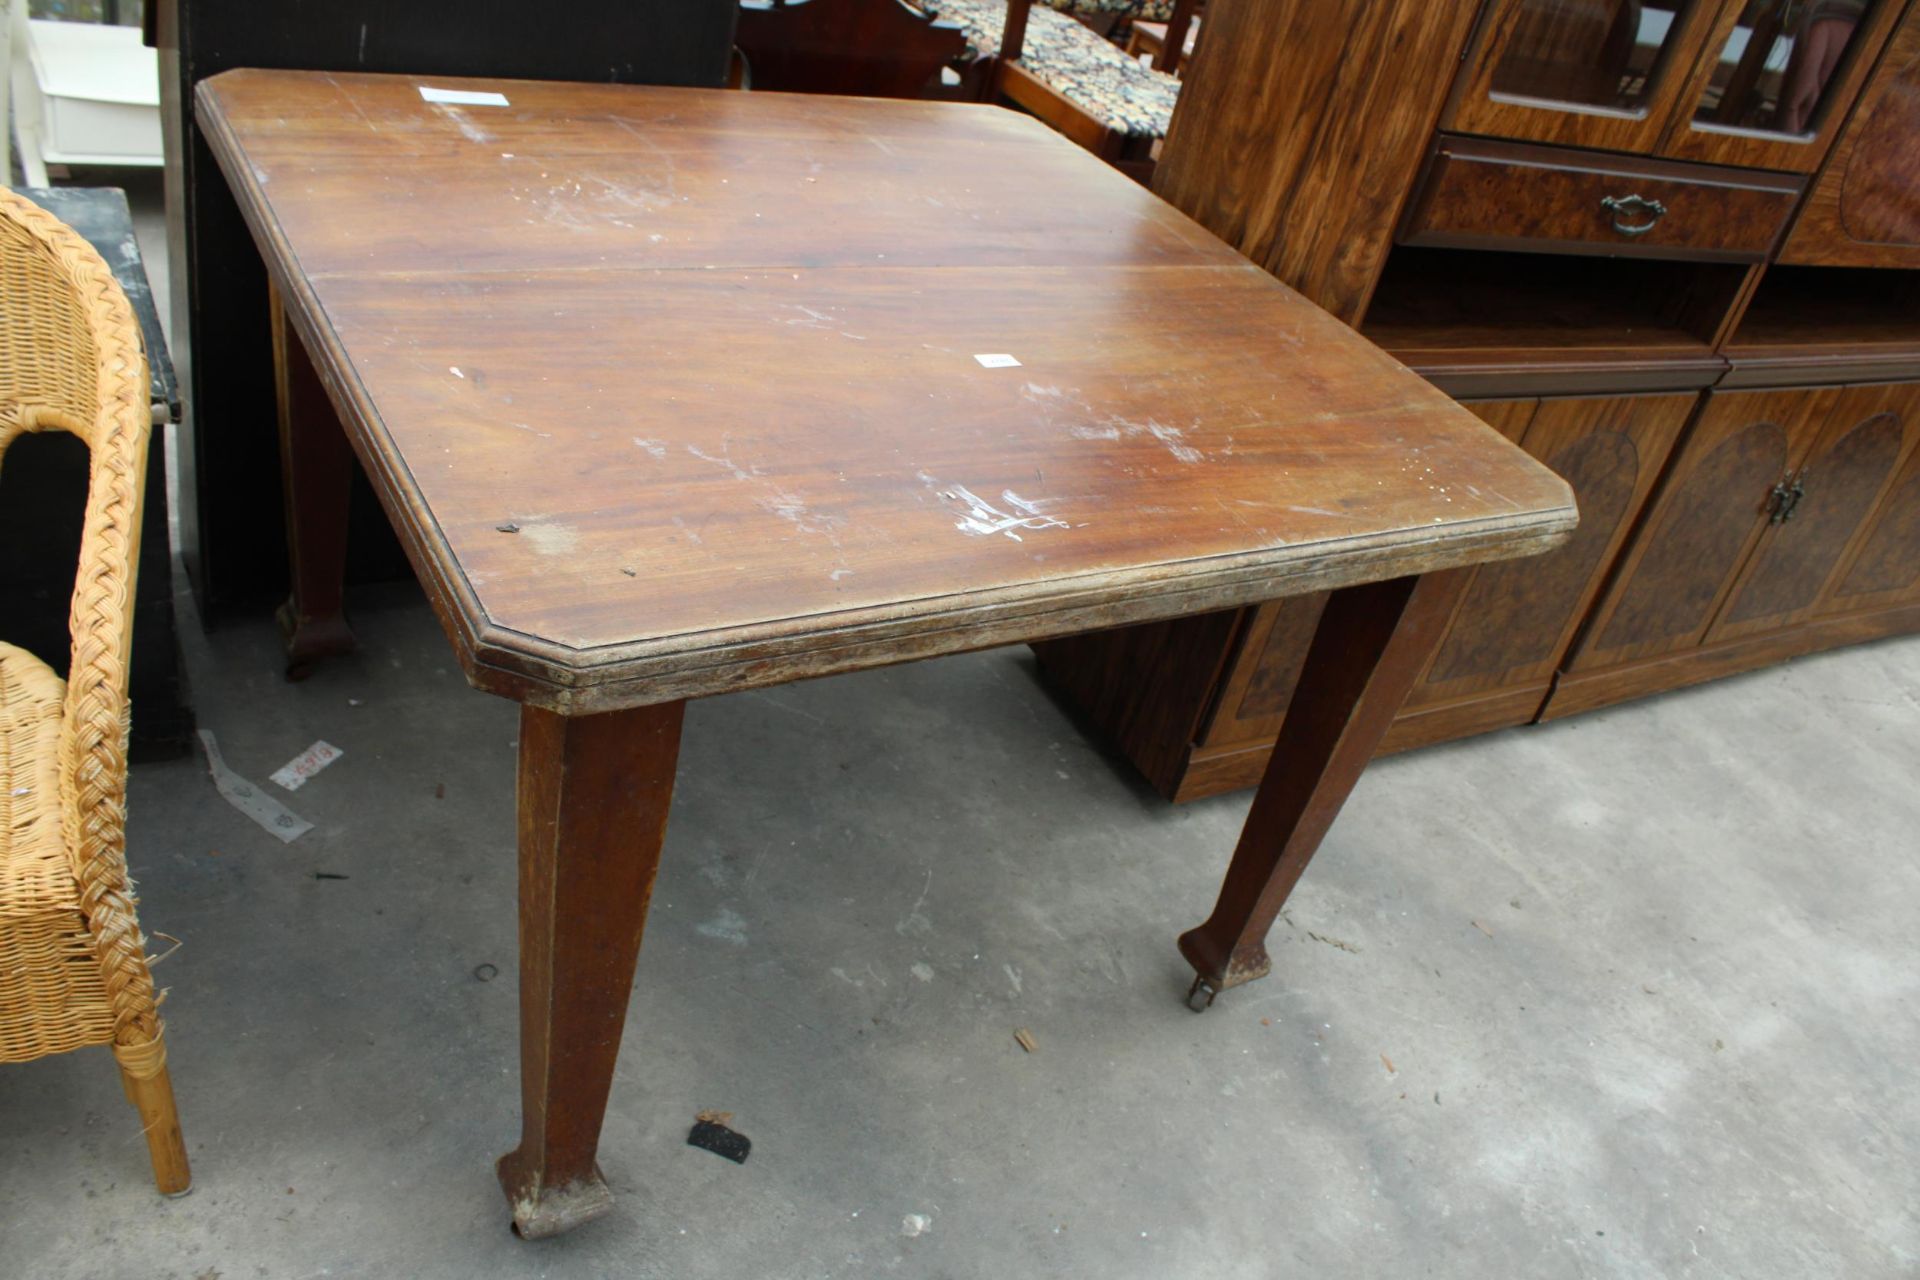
(1775,80)
(1711,510)
(1865,208)
(1262,668)
(1518,616)
(1607,74)
(1884,567)
(1853,462)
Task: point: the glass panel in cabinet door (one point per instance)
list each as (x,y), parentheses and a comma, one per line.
(1604,55)
(1779,63)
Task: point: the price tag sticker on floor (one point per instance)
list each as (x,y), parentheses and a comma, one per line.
(294,773)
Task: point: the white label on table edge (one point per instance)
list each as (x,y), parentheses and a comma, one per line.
(998,361)
(463,97)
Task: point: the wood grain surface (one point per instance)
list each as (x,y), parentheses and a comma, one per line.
(1478,193)
(1711,511)
(1865,207)
(1296,139)
(674,391)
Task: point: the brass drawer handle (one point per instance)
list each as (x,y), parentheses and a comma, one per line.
(1625,207)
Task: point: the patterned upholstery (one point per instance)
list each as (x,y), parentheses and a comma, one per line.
(1126,96)
(1151,10)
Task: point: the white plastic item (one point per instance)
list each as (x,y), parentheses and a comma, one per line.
(84,94)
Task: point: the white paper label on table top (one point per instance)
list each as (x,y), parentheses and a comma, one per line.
(294,773)
(463,97)
(999,361)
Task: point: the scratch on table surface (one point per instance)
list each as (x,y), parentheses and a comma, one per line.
(669,168)
(981,518)
(631,198)
(352,102)
(812,319)
(657,448)
(1054,403)
(1172,437)
(472,131)
(724,460)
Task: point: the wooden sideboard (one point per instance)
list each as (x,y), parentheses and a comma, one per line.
(1671,248)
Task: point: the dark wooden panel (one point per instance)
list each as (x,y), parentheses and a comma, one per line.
(1877,204)
(870,48)
(1436,722)
(1297,136)
(1510,616)
(1547,323)
(1261,671)
(1710,512)
(1886,568)
(1855,459)
(1477,193)
(232,515)
(1864,209)
(1611,452)
(1146,688)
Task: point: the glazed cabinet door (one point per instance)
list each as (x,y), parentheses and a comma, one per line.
(1822,512)
(1712,509)
(1776,77)
(1607,74)
(1519,616)
(1864,210)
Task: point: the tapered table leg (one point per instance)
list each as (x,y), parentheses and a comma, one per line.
(1372,644)
(594,792)
(316,473)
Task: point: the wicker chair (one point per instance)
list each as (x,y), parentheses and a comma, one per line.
(73,964)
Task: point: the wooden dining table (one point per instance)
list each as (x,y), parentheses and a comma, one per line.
(672,392)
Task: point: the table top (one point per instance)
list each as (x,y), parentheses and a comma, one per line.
(675,391)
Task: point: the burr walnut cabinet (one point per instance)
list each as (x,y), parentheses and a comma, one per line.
(1671,248)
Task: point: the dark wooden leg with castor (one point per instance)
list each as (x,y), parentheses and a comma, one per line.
(594,792)
(316,472)
(1372,643)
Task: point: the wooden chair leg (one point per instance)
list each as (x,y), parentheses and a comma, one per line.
(316,471)
(594,792)
(1372,643)
(160,1120)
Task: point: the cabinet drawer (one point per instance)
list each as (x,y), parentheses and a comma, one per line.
(1481,194)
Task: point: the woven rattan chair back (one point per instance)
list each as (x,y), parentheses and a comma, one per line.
(73,963)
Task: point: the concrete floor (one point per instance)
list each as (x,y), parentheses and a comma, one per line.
(1645,980)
